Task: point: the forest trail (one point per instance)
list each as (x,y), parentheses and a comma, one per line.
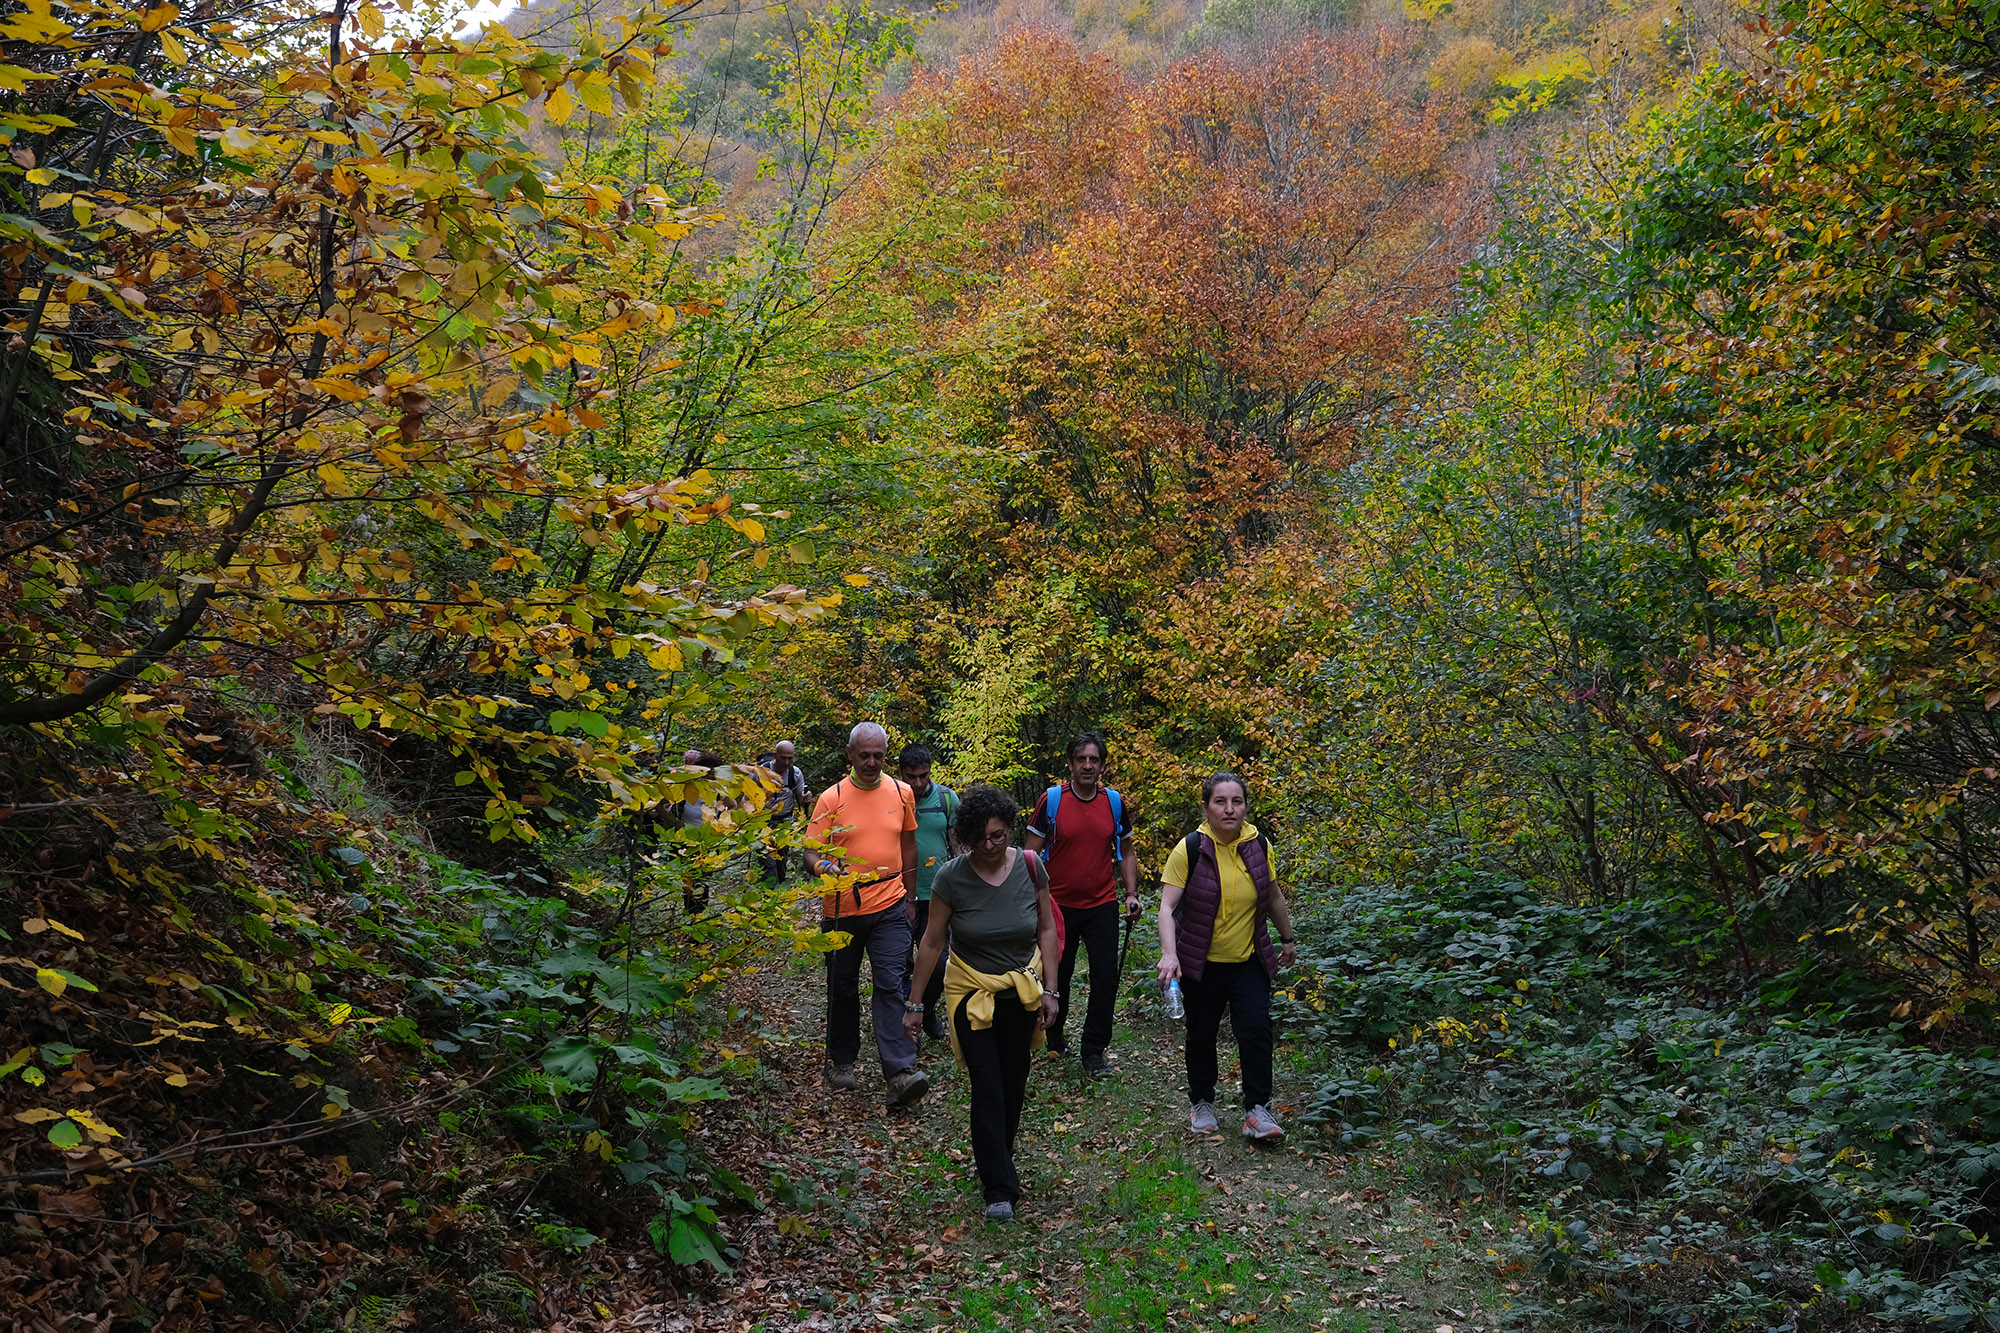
(1129,1221)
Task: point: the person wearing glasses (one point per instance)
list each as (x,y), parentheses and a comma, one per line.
(994,902)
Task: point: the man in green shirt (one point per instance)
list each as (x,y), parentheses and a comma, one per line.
(937,807)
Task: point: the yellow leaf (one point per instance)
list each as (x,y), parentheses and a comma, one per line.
(182,140)
(596,94)
(586,355)
(753,529)
(370,19)
(338,483)
(177,1080)
(561,106)
(858,580)
(171,45)
(98,1129)
(60,928)
(51,981)
(133,220)
(339,1014)
(41,176)
(39,1115)
(159,17)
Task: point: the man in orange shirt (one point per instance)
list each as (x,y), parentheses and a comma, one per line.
(867,822)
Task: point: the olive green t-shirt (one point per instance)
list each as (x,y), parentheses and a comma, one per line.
(992,925)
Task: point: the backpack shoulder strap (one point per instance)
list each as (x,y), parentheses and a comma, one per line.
(1050,800)
(1038,874)
(1117,824)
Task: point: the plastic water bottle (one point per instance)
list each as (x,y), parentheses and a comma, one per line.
(1176,1007)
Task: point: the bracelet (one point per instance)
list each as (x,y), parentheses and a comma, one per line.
(912,1007)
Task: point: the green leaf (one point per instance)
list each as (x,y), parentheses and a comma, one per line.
(689,1242)
(65,1134)
(572,1058)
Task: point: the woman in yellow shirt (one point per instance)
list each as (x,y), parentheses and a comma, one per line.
(1219,893)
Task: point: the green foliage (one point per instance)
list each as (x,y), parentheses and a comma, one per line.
(1691,1162)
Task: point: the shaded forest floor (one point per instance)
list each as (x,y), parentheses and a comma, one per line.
(1129,1221)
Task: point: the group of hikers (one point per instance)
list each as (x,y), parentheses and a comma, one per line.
(959,927)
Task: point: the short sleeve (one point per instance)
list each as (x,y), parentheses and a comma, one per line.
(1175,871)
(943,888)
(1038,823)
(909,799)
(1125,816)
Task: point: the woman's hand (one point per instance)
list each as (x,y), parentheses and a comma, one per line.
(1287,955)
(913,1025)
(1169,968)
(1047,1017)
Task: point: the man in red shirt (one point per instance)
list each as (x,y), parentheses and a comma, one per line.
(1087,839)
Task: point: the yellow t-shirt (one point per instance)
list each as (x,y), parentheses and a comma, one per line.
(1236,916)
(866,825)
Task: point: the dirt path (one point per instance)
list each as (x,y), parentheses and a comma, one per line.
(872,1219)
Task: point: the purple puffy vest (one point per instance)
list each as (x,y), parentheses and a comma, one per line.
(1194,919)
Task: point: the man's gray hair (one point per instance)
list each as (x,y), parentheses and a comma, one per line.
(862,729)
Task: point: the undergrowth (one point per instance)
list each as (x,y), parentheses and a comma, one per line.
(1689,1150)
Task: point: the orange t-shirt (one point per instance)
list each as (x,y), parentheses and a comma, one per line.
(867,825)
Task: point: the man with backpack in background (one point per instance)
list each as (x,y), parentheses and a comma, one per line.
(868,823)
(937,807)
(1084,831)
(791,797)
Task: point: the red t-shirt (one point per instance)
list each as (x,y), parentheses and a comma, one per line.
(1082,870)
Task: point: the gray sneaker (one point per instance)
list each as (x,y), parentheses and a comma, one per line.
(1261,1124)
(1201,1120)
(1000,1212)
(841,1078)
(906,1086)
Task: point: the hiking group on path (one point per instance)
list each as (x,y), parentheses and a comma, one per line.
(958,927)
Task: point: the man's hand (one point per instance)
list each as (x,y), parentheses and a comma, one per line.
(1132,908)
(910,911)
(913,1025)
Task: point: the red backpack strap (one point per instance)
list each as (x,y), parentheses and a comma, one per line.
(1038,874)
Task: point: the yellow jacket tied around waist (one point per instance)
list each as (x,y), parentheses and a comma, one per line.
(985,988)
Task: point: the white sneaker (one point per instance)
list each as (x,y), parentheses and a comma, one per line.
(1201,1120)
(1261,1124)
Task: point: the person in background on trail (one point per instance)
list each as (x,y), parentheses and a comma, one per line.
(994,903)
(937,807)
(693,814)
(868,821)
(1085,830)
(791,797)
(1219,895)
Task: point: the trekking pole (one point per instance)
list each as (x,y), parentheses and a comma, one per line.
(1131,920)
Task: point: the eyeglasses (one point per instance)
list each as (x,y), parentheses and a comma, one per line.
(992,836)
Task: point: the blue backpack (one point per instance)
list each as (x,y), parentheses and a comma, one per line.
(1118,830)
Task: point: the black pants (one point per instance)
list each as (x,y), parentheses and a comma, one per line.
(1246,989)
(934,988)
(996,1064)
(1096,929)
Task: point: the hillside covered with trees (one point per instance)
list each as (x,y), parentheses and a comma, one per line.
(1549,448)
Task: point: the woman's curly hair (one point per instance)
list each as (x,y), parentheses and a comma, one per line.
(980,805)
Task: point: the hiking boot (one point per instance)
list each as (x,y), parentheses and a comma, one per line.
(1095,1065)
(1261,1124)
(840,1078)
(1201,1120)
(1057,1046)
(906,1086)
(933,1026)
(1000,1212)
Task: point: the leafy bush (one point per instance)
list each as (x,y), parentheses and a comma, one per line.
(1685,1160)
